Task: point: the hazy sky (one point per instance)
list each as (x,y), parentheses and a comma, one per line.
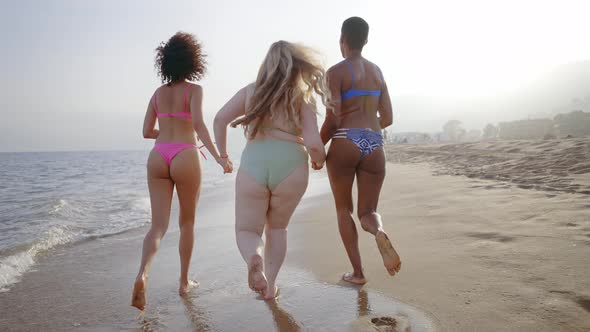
(77,75)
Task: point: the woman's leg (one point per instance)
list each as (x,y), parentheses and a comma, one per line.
(370,177)
(252,200)
(160,187)
(283,201)
(341,163)
(185,170)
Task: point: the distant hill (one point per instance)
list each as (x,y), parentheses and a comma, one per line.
(563,89)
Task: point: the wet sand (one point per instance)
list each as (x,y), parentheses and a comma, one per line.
(477,255)
(87,287)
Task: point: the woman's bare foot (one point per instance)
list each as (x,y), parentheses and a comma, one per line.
(270,294)
(138,296)
(256,278)
(391,259)
(349,277)
(185,287)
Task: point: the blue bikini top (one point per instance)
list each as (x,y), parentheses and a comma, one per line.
(352,92)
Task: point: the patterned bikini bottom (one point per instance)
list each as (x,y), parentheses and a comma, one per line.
(366,140)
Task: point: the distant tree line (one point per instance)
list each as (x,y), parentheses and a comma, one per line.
(576,123)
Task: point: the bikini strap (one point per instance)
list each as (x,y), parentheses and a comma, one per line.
(186,90)
(351,72)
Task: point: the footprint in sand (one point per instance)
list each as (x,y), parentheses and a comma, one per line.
(394,323)
(493,236)
(384,321)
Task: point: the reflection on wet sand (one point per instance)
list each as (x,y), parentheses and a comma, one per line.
(303,305)
(363,303)
(284,322)
(368,321)
(149,322)
(197,315)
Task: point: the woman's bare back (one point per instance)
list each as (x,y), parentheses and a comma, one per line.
(171,100)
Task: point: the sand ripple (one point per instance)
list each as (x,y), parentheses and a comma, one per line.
(558,165)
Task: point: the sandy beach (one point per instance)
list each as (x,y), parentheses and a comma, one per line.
(478,255)
(553,165)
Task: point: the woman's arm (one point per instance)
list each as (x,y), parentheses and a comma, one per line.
(328,127)
(331,122)
(149,122)
(311,137)
(232,110)
(196,102)
(384,107)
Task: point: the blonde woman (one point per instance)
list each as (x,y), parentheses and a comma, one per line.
(278,113)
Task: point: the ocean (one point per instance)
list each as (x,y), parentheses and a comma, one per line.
(50,199)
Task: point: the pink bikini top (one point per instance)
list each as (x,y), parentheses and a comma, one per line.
(183,114)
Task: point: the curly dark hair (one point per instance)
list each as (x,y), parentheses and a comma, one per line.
(180,58)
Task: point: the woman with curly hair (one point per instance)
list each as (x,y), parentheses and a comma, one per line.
(278,113)
(174,161)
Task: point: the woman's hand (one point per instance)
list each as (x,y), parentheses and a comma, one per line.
(333,106)
(226,164)
(229,167)
(153,134)
(317,166)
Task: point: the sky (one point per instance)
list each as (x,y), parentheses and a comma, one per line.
(77,75)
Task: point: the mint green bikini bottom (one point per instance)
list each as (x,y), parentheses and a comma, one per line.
(271,161)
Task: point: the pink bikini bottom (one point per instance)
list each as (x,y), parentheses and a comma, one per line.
(169,150)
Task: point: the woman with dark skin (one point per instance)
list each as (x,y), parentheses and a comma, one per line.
(174,161)
(361,108)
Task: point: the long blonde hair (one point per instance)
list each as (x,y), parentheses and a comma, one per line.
(288,77)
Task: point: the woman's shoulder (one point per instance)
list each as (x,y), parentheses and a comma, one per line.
(249,89)
(372,65)
(195,86)
(340,66)
(159,88)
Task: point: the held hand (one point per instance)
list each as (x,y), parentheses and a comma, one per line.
(226,164)
(332,106)
(229,167)
(154,134)
(317,166)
